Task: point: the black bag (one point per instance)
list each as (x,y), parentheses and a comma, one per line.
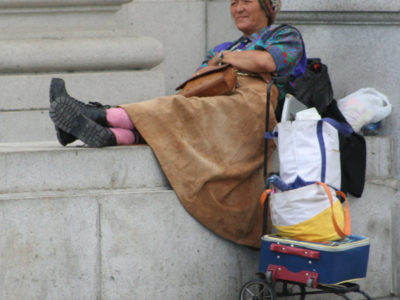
(353,155)
(314,87)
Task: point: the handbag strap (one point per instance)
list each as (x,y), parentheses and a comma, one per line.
(347,219)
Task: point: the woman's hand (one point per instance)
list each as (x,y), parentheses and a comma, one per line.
(211,64)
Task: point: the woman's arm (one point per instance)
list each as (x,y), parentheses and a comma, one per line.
(252,61)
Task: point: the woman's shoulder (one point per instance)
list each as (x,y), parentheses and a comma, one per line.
(225,46)
(279,30)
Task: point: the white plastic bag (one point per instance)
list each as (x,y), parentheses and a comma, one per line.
(363,107)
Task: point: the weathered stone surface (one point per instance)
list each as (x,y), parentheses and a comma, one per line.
(379,157)
(153,249)
(48,248)
(372,217)
(396,245)
(114,244)
(180,26)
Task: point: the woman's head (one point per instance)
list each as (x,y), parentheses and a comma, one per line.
(271,8)
(252,15)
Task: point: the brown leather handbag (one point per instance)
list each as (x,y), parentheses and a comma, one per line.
(221,80)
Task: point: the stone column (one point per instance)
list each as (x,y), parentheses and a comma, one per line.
(86,42)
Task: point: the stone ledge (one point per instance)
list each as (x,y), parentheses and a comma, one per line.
(47,166)
(115,167)
(80,54)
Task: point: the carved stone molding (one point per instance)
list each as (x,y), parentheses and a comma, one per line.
(59,3)
(79,54)
(339,18)
(341,5)
(55,18)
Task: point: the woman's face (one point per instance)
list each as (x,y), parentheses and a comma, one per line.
(248,15)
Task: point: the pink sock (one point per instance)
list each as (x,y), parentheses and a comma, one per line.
(124,136)
(118,117)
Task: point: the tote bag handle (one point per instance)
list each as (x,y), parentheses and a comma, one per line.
(265,205)
(347,218)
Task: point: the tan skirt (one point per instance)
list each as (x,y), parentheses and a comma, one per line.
(212,151)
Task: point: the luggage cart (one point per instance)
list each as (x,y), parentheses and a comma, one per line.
(290,268)
(298,268)
(261,289)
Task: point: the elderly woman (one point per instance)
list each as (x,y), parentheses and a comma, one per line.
(210,148)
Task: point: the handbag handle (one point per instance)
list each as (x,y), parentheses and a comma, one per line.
(347,218)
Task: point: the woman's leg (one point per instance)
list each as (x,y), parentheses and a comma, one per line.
(125,136)
(119,118)
(68,117)
(94,111)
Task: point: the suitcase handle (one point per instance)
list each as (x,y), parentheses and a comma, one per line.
(294,251)
(310,279)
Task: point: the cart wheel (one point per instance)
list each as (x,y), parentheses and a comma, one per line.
(257,290)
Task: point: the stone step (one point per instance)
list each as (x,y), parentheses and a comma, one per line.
(47,166)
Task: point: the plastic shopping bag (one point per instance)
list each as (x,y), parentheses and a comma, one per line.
(363,107)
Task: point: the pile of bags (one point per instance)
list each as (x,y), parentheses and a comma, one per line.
(320,160)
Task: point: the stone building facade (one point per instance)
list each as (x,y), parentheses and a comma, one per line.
(81,223)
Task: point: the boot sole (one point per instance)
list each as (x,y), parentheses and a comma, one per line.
(57,86)
(66,116)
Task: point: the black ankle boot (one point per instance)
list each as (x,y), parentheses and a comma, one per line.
(63,137)
(94,110)
(67,116)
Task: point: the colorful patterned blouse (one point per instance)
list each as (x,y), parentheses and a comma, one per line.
(285,45)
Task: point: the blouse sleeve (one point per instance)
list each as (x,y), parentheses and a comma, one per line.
(287,48)
(212,52)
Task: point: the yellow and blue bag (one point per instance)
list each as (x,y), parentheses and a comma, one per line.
(310,213)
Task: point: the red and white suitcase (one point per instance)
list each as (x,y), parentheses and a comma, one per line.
(314,263)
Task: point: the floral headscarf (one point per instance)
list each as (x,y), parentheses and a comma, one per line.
(271,8)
